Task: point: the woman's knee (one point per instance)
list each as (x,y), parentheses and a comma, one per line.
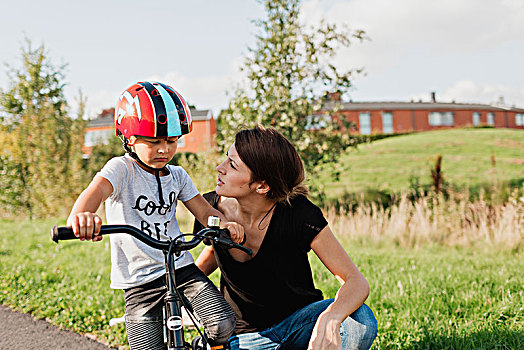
(359,330)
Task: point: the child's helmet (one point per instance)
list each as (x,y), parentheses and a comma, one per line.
(152,109)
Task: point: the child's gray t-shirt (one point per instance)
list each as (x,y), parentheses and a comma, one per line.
(135,201)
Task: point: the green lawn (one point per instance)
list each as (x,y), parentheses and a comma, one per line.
(427,298)
(390,163)
(441,298)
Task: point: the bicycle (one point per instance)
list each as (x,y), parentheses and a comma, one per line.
(173,301)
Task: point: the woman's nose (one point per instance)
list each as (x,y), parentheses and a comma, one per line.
(220,167)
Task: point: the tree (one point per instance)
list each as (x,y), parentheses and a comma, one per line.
(100,155)
(39,143)
(289,73)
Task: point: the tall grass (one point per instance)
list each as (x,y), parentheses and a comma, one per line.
(430,219)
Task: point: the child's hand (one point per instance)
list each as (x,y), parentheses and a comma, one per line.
(236,231)
(86,226)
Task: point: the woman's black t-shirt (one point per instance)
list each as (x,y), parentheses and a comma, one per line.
(278,280)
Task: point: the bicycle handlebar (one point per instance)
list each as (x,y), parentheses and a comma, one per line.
(66,233)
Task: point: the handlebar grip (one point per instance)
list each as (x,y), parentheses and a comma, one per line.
(62,234)
(244,249)
(230,244)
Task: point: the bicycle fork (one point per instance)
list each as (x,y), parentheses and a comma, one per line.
(173,320)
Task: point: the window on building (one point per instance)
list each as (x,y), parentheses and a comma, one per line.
(441,118)
(476,118)
(387,122)
(98,137)
(519,119)
(364,120)
(491,118)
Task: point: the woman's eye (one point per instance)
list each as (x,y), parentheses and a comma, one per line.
(231,164)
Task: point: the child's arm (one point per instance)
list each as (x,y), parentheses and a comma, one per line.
(201,209)
(83,218)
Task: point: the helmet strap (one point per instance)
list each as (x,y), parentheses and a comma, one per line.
(125,145)
(159,183)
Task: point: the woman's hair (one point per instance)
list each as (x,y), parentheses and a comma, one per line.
(273,159)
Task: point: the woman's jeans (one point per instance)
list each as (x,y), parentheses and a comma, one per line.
(357,331)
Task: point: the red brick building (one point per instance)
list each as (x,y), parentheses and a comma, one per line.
(396,117)
(201,138)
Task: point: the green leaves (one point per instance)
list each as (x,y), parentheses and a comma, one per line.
(289,71)
(39,143)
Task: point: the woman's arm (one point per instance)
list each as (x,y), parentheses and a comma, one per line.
(206,261)
(83,218)
(201,210)
(350,296)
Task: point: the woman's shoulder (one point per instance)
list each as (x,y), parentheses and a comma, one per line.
(212,197)
(301,202)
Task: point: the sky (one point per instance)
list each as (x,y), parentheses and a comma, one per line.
(463,50)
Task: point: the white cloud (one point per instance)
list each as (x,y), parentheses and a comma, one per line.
(465,50)
(206,92)
(396,27)
(407,37)
(96,101)
(469,91)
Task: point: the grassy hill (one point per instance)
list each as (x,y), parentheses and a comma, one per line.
(471,157)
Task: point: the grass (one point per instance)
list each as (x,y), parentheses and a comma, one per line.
(452,221)
(471,157)
(426,297)
(441,298)
(67,284)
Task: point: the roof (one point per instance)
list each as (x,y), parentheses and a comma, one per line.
(201,114)
(106,117)
(357,106)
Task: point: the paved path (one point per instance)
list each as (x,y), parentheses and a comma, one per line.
(21,331)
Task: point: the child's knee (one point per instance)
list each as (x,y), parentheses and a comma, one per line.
(220,330)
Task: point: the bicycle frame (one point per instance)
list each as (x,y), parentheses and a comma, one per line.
(172,301)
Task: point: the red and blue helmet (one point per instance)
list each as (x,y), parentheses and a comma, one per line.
(152,109)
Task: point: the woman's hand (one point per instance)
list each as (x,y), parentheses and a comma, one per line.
(86,226)
(236,231)
(326,333)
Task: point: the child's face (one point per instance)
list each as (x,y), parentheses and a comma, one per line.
(154,151)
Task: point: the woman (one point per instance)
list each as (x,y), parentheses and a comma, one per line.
(272,292)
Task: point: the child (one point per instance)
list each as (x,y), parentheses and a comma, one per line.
(141,190)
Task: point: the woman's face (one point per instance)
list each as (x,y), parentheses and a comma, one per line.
(234,177)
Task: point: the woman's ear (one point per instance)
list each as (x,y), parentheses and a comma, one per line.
(262,187)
